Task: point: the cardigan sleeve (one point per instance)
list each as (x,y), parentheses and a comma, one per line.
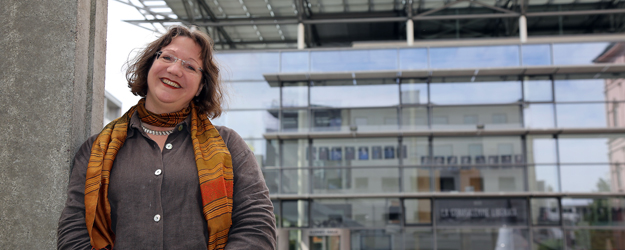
(253,221)
(72,230)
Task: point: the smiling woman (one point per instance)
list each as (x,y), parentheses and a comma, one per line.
(162,176)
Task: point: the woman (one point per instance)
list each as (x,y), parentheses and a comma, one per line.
(162,176)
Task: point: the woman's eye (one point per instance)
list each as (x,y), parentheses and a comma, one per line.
(167,58)
(190,68)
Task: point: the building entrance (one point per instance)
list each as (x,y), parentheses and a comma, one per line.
(325,242)
(314,239)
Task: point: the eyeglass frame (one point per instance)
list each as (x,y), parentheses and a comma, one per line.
(184,62)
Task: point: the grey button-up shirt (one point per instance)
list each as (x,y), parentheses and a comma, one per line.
(156,200)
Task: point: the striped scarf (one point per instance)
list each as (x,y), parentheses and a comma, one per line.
(212,158)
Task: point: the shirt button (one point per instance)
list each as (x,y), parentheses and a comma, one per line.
(157,217)
(158,172)
(180,128)
(169,146)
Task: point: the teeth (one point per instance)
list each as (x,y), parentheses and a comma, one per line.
(170,83)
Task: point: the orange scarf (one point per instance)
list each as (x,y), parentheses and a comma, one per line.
(214,168)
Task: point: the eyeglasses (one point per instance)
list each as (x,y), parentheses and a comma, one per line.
(168,57)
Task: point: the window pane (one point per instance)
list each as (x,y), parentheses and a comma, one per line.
(548,238)
(356,212)
(536,54)
(414,91)
(354,95)
(481,212)
(276,211)
(415,118)
(477,150)
(493,117)
(267,152)
(413,58)
(249,124)
(295,153)
(538,116)
(595,239)
(253,95)
(356,152)
(295,213)
(594,212)
(545,211)
(501,238)
(541,149)
(418,211)
(295,181)
(348,181)
(474,57)
(294,62)
(588,178)
(376,239)
(247,66)
(587,149)
(418,238)
(479,179)
(416,179)
(577,53)
(586,115)
(580,90)
(416,151)
(272,179)
(355,119)
(354,60)
(543,178)
(537,90)
(295,120)
(295,94)
(475,93)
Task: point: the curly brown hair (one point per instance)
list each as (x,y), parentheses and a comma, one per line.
(210,98)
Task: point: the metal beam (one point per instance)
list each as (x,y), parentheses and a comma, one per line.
(204,6)
(575,12)
(467,16)
(492,7)
(441,8)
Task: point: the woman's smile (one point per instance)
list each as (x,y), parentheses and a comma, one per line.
(170,83)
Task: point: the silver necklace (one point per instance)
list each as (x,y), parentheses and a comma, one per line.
(153,132)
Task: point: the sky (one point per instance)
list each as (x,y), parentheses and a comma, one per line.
(122,39)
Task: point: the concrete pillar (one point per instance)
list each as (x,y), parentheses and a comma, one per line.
(410,32)
(51,100)
(300,36)
(523,29)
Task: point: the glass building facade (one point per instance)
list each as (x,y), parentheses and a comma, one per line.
(513,146)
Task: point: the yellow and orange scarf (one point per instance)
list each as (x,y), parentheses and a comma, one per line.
(212,158)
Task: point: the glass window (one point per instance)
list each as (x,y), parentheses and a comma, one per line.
(355,119)
(295,181)
(295,94)
(468,117)
(418,211)
(543,178)
(295,153)
(577,53)
(295,239)
(416,179)
(414,91)
(295,120)
(250,124)
(247,66)
(376,239)
(539,116)
(294,213)
(477,150)
(580,90)
(594,212)
(253,95)
(418,238)
(272,179)
(548,238)
(356,152)
(545,211)
(416,151)
(541,149)
(537,89)
(356,93)
(595,239)
(353,60)
(586,115)
(294,62)
(268,155)
(479,179)
(348,180)
(586,149)
(536,54)
(474,57)
(498,238)
(475,93)
(587,178)
(276,211)
(413,58)
(482,212)
(356,212)
(414,118)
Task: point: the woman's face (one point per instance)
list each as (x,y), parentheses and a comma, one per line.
(172,86)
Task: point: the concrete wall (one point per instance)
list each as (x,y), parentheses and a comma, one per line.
(52,56)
